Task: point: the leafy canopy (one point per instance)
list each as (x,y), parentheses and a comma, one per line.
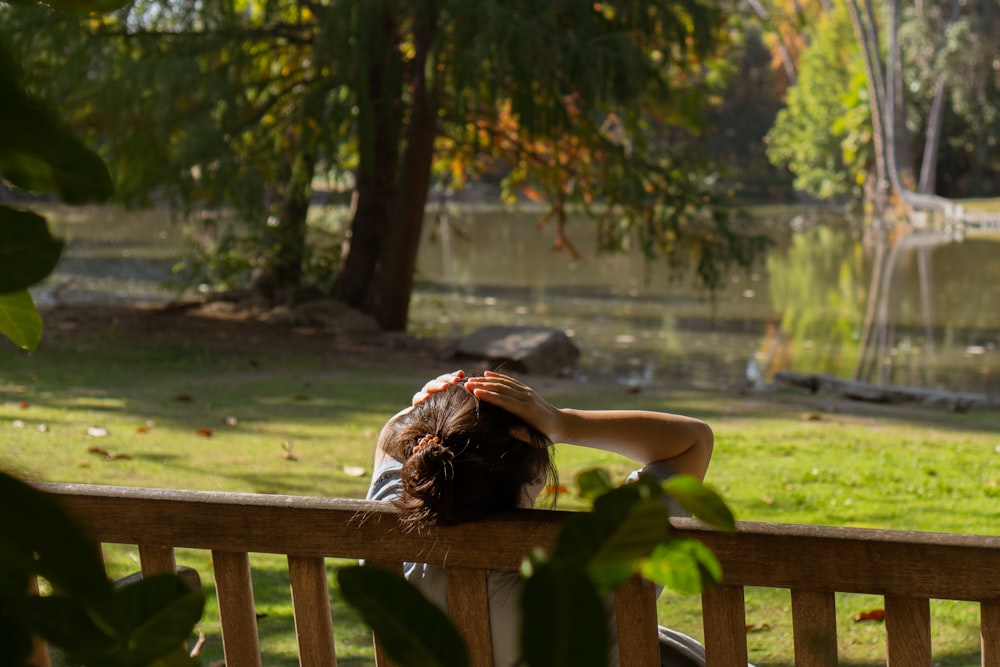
(38,155)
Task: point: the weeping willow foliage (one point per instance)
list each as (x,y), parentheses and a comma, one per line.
(243,103)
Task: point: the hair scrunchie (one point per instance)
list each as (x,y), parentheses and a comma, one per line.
(428,439)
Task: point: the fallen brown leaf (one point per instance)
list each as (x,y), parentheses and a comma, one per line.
(873,615)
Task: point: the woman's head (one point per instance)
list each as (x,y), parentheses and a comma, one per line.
(463,458)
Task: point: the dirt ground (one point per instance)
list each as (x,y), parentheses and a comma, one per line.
(234,330)
(242,331)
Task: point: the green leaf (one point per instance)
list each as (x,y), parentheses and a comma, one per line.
(563,622)
(77,6)
(701,501)
(37,154)
(63,622)
(20,321)
(686,566)
(593,482)
(412,629)
(535,558)
(31,521)
(28,252)
(623,528)
(15,643)
(154,616)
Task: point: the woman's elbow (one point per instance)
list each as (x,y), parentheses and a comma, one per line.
(704,446)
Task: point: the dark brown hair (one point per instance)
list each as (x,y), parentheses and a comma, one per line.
(461,459)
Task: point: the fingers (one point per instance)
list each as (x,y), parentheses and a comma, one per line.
(507,393)
(511,395)
(498,389)
(440,383)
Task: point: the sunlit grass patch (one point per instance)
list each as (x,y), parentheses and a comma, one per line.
(777,458)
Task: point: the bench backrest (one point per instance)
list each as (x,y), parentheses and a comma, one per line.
(907,568)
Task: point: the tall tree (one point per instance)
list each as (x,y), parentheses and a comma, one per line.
(925,83)
(823,135)
(211,103)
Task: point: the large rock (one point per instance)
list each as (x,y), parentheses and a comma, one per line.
(534,350)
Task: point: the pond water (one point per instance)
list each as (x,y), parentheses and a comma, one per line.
(635,321)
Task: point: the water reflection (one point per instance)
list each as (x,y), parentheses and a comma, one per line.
(804,309)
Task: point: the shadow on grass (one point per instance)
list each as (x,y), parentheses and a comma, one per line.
(275,620)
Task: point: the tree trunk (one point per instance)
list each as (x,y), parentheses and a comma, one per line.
(388,297)
(290,248)
(928,167)
(286,242)
(378,165)
(900,149)
(867,34)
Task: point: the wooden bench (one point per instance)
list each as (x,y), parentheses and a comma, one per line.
(907,568)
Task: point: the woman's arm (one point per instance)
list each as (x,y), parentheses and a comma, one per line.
(644,436)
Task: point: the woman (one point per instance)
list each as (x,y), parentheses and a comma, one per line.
(469,447)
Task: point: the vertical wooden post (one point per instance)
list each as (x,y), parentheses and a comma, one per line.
(234,588)
(724,617)
(381,659)
(814,627)
(989,631)
(313,620)
(635,610)
(156,560)
(908,631)
(469,609)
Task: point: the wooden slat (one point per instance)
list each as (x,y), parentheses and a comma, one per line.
(989,612)
(635,612)
(40,656)
(814,627)
(381,658)
(469,608)
(238,616)
(908,631)
(156,559)
(855,560)
(724,619)
(259,523)
(851,560)
(894,564)
(313,619)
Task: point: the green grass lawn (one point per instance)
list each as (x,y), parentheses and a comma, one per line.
(197,417)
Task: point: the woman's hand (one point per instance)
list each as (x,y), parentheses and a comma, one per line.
(518,399)
(644,436)
(440,383)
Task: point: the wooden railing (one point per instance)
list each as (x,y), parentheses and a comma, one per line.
(907,568)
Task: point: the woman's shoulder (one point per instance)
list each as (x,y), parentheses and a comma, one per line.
(387,481)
